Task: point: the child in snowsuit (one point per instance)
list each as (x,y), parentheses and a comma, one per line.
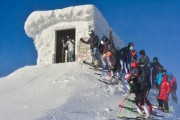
(173,85)
(163,95)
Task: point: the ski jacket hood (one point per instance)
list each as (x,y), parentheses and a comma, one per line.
(165,78)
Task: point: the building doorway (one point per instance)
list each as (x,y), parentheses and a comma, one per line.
(61,54)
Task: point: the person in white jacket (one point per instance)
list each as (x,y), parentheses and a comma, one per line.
(71,46)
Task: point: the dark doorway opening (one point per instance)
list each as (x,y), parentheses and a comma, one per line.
(61,55)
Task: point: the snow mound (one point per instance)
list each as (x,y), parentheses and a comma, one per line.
(35,92)
(68,91)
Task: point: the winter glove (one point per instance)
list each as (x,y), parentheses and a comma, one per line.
(81,39)
(131,82)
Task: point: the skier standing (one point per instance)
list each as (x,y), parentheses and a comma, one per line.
(143,62)
(145,86)
(105,52)
(135,87)
(163,95)
(124,57)
(173,85)
(93,41)
(161,71)
(155,66)
(133,54)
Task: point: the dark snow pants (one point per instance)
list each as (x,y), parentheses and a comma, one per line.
(163,104)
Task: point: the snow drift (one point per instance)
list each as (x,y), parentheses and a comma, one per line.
(68,91)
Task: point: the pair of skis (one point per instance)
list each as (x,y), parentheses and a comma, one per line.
(134,118)
(90,64)
(106,76)
(154,115)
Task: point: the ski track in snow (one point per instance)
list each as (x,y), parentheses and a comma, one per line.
(69,91)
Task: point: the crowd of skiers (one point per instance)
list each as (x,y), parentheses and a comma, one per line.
(141,74)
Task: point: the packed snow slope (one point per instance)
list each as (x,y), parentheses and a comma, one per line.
(68,91)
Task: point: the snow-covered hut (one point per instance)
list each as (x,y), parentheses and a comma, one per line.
(48,28)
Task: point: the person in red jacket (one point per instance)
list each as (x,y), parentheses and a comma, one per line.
(163,95)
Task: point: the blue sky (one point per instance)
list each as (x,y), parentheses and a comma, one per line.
(153,25)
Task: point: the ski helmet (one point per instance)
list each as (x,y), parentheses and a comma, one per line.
(155,59)
(161,69)
(131,44)
(104,39)
(91,33)
(141,52)
(171,75)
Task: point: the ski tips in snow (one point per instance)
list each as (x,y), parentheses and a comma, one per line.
(135,118)
(91,64)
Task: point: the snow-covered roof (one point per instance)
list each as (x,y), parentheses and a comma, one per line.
(40,20)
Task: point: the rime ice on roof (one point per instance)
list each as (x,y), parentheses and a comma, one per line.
(41,26)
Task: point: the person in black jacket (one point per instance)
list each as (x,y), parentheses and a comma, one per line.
(155,66)
(93,41)
(143,63)
(145,87)
(143,60)
(124,56)
(135,87)
(115,64)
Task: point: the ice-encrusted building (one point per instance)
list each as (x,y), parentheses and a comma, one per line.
(49,28)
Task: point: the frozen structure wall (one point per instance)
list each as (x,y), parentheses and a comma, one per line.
(41,27)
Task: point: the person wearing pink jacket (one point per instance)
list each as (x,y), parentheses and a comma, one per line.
(163,95)
(173,85)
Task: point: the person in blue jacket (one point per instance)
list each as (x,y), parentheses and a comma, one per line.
(161,72)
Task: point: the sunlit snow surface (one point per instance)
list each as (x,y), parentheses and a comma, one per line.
(68,91)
